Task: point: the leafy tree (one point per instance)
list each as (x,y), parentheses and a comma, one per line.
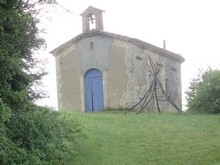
(19,38)
(203,95)
(28,134)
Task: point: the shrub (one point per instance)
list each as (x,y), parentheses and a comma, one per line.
(203,95)
(41,137)
(5,112)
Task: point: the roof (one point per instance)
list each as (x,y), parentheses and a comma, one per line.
(137,42)
(91,10)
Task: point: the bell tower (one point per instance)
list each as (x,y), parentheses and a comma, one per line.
(92,19)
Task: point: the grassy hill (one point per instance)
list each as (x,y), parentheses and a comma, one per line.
(114,138)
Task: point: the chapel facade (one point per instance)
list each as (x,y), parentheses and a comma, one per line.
(97,69)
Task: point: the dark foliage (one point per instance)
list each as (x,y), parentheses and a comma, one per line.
(40,137)
(28,134)
(19,37)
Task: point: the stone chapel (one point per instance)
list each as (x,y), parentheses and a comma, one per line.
(97,70)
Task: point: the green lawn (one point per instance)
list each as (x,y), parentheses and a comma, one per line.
(117,139)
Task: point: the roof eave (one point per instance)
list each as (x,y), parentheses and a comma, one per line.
(137,42)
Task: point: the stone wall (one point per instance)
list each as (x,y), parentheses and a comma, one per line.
(135,84)
(123,67)
(94,53)
(116,75)
(68,84)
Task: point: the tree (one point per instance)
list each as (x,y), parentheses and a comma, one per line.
(203,95)
(19,38)
(28,134)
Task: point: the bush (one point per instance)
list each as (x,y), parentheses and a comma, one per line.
(40,137)
(5,112)
(203,95)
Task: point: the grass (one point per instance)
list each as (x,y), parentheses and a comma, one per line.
(114,138)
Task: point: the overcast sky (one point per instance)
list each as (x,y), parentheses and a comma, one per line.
(190,27)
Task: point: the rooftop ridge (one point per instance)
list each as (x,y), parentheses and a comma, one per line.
(139,43)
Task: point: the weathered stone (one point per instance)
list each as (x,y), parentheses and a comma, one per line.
(122,62)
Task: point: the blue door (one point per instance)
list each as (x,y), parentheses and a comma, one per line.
(94,91)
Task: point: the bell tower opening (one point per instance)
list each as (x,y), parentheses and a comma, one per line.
(92,19)
(92,22)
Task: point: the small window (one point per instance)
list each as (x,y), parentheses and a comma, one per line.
(159,64)
(91,46)
(139,58)
(166,85)
(174,69)
(150,77)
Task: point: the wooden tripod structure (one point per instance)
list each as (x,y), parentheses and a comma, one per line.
(151,93)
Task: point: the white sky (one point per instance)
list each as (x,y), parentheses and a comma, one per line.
(190,27)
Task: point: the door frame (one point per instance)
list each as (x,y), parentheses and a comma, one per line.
(85,89)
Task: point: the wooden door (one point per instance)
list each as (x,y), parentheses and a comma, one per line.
(94,91)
